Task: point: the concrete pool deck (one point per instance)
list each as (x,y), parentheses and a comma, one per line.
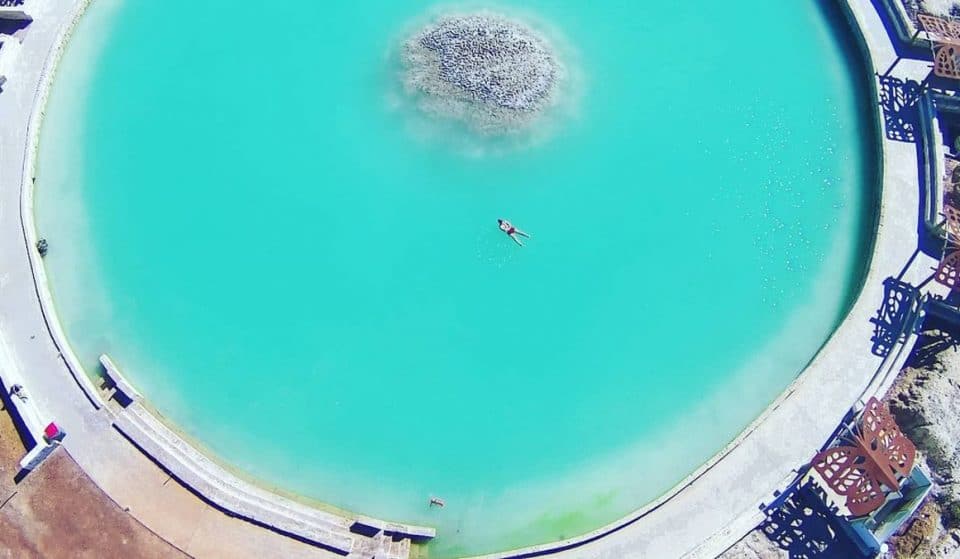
(700,518)
(716,506)
(33,348)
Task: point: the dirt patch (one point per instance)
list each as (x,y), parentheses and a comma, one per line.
(926,404)
(57,512)
(755,546)
(925,536)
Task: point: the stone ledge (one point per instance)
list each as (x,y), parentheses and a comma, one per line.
(225,491)
(236,497)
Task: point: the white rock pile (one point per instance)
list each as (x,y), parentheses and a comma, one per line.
(494,73)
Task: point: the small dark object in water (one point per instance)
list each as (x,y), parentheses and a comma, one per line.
(42,247)
(437,502)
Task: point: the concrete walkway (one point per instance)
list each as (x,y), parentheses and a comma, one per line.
(703,517)
(32,348)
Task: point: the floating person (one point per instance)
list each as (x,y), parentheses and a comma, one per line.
(437,502)
(512,231)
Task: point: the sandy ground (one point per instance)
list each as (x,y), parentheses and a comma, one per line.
(57,511)
(925,402)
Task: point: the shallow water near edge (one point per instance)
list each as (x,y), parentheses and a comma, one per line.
(308,278)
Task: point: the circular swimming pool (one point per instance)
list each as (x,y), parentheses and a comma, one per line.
(302,269)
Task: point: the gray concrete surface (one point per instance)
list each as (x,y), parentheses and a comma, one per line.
(35,350)
(714,508)
(703,516)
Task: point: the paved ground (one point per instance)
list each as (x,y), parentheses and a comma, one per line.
(705,516)
(58,512)
(925,400)
(723,503)
(28,351)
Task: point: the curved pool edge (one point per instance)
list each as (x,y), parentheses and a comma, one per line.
(700,517)
(718,504)
(113,444)
(28,226)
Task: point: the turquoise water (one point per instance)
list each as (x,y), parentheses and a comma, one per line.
(306,275)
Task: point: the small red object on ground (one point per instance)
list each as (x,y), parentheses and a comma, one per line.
(52,432)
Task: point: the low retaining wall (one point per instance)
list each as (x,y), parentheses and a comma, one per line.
(210,482)
(339,534)
(627,535)
(225,491)
(903,26)
(931,164)
(235,496)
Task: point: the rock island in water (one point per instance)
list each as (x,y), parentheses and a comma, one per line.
(493,73)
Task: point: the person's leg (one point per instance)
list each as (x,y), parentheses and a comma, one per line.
(521,233)
(516,239)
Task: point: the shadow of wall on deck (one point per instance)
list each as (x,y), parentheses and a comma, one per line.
(899,36)
(892,320)
(938,336)
(902,103)
(13,26)
(806,528)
